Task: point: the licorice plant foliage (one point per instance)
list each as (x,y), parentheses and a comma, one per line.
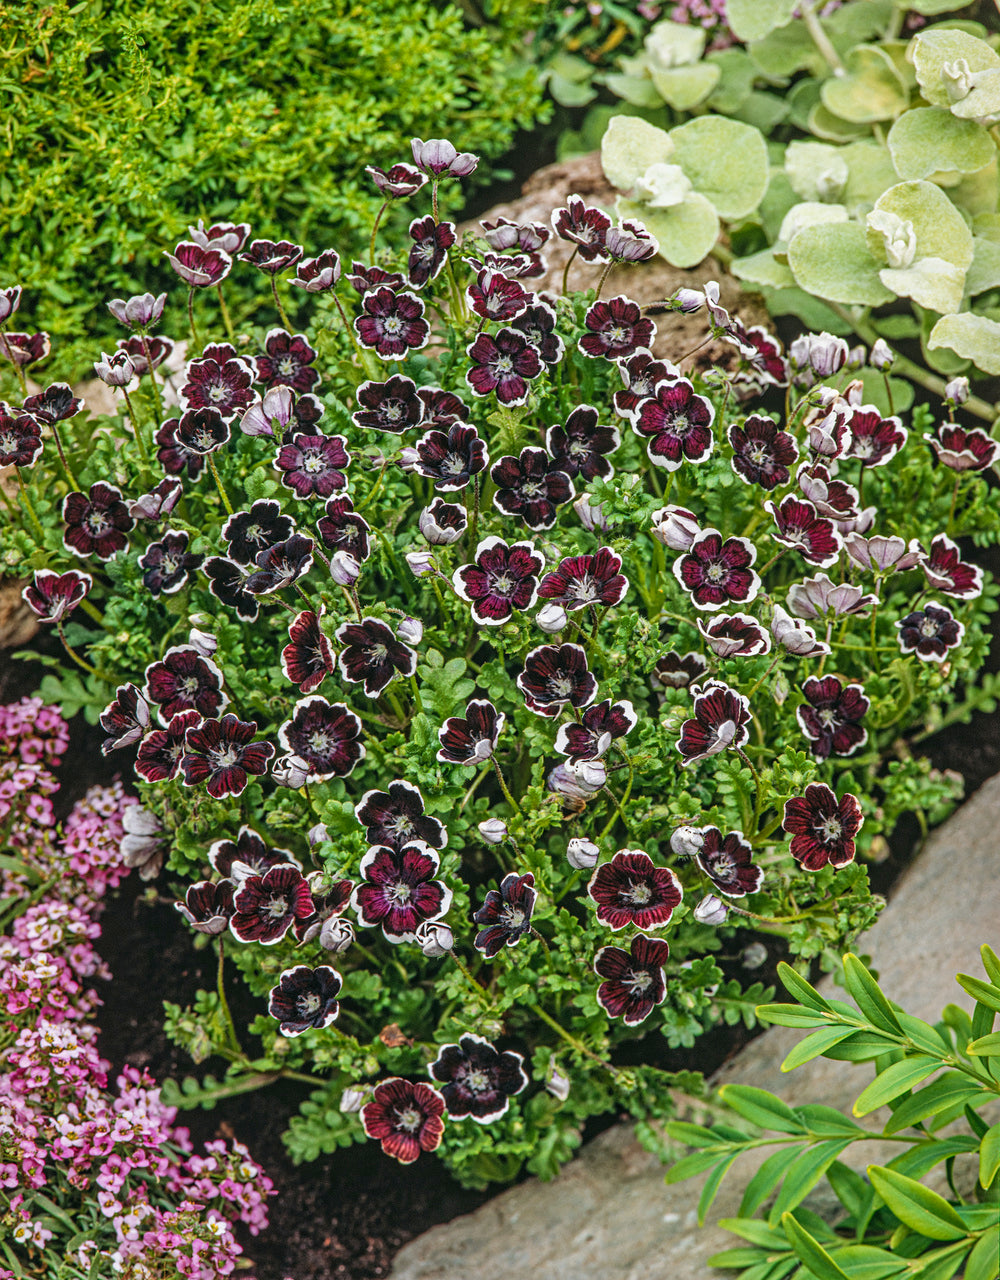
(583,661)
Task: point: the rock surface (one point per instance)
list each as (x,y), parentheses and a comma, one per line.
(609,1213)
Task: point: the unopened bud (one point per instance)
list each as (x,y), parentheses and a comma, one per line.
(687,842)
(317,834)
(203,642)
(410,631)
(290,771)
(957,391)
(435,938)
(592,774)
(493,831)
(556,1081)
(582,854)
(675,527)
(336,934)
(711,910)
(354,1098)
(408,457)
(882,356)
(591,513)
(754,955)
(551,618)
(344,569)
(421,563)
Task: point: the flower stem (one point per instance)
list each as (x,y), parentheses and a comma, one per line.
(277,302)
(224,1003)
(81,662)
(194,331)
(474,981)
(32,514)
(226,318)
(136,429)
(578,1045)
(91,612)
(757,683)
(604,275)
(819,37)
(218,481)
(371,243)
(503,786)
(62,457)
(157,402)
(569,263)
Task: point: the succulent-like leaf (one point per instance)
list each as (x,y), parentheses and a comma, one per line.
(975,338)
(983,102)
(629,146)
(931,140)
(726,162)
(930,282)
(754,19)
(809,213)
(940,230)
(931,49)
(736,77)
(871,90)
(684,87)
(833,261)
(763,268)
(816,170)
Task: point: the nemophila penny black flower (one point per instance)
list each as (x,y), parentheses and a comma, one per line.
(268,905)
(505,914)
(208,906)
(721,716)
(247,533)
(582,225)
(513,266)
(586,580)
(538,324)
(874,439)
(451,458)
(530,486)
(496,298)
(473,740)
(762,452)
(506,234)
(312,465)
(443,523)
(502,579)
(224,386)
(831,717)
(822,827)
(364,279)
(930,632)
(641,374)
(617,329)
(202,430)
(675,423)
(963,450)
(718,571)
(198,266)
(736,635)
(271,257)
(327,737)
(819,596)
(10,300)
(477,1081)
(227,582)
(125,719)
(166,564)
(20,438)
(51,596)
(228,236)
(727,861)
(768,363)
(116,370)
(946,571)
(175,457)
(329,898)
(305,999)
(398,890)
(631,890)
(159,502)
(396,182)
(405,1118)
(342,529)
(555,674)
(247,855)
(801,527)
(307,659)
(442,408)
(675,527)
(317,275)
(883,553)
(503,363)
(223,755)
(581,446)
(281,565)
(630,242)
(56,403)
(160,752)
(146,353)
(634,981)
(396,817)
(272,413)
(287,362)
(24,349)
(832,498)
(828,428)
(795,636)
(393,405)
(96,522)
(372,655)
(429,251)
(676,671)
(599,726)
(438,158)
(183,680)
(393,324)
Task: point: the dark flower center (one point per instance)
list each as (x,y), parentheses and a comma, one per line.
(399,893)
(408,1119)
(169,564)
(313,461)
(715,572)
(376,654)
(583,589)
(638,982)
(287,365)
(392,325)
(475,1080)
(513,917)
(308,1005)
(829,829)
(561,686)
(639,894)
(188,686)
(616,333)
(502,584)
(320,741)
(928,628)
(452,465)
(531,489)
(276,908)
(96,523)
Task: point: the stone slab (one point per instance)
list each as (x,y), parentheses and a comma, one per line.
(609,1215)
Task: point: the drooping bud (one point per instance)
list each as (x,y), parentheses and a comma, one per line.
(336,934)
(435,938)
(882,356)
(711,910)
(203,642)
(493,831)
(675,527)
(582,854)
(421,563)
(354,1098)
(687,842)
(556,1081)
(344,569)
(957,391)
(551,618)
(410,631)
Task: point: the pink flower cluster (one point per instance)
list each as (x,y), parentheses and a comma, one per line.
(33,732)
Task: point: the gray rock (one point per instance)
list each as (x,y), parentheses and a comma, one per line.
(609,1214)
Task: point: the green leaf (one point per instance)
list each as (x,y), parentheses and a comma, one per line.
(791,1015)
(939,229)
(931,282)
(893,1081)
(711,1187)
(816,170)
(865,1262)
(930,140)
(800,990)
(983,992)
(767,1178)
(989,1155)
(726,162)
(872,89)
(762,1234)
(629,146)
(692,1135)
(686,232)
(691,1166)
(814,1046)
(684,87)
(754,19)
(985,1046)
(764,268)
(917,1206)
(867,995)
(809,1251)
(991,963)
(951,1089)
(975,338)
(827,1122)
(833,261)
(761,1108)
(932,48)
(983,1263)
(805,1173)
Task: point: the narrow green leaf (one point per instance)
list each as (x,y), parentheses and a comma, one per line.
(800,990)
(983,1018)
(894,1081)
(983,1262)
(867,995)
(689,1166)
(976,1122)
(761,1108)
(866,1262)
(767,1178)
(991,963)
(827,1122)
(983,992)
(861,1046)
(711,1187)
(692,1135)
(953,1088)
(738,1258)
(923,1156)
(809,1251)
(989,1155)
(850,1188)
(754,1231)
(814,1046)
(923,1035)
(791,1015)
(917,1206)
(805,1173)
(941,1264)
(985,1046)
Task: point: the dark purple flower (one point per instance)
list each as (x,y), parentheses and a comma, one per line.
(197,266)
(146,354)
(364,279)
(831,718)
(530,486)
(505,234)
(634,982)
(718,572)
(175,457)
(631,890)
(125,720)
(277,410)
(317,275)
(762,452)
(10,300)
(795,636)
(305,998)
(393,405)
(583,226)
(442,408)
(396,817)
(946,570)
(224,387)
(96,523)
(20,438)
(727,861)
(504,363)
(503,578)
(472,741)
(398,890)
(538,324)
(160,752)
(230,237)
(307,659)
(963,450)
(208,906)
(874,439)
(676,424)
(248,533)
(735,635)
(373,655)
(268,905)
(287,362)
(586,580)
(476,1079)
(327,737)
(822,828)
(281,565)
(55,404)
(271,257)
(53,595)
(799,526)
(329,898)
(506,914)
(721,716)
(184,681)
(222,754)
(342,529)
(451,458)
(677,671)
(159,502)
(930,632)
(392,323)
(827,425)
(641,374)
(396,182)
(250,852)
(167,563)
(599,726)
(226,581)
(405,1118)
(312,465)
(617,329)
(23,349)
(496,298)
(580,448)
(769,364)
(832,498)
(438,158)
(443,523)
(555,674)
(429,252)
(202,430)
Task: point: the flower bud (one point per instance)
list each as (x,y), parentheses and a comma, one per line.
(116,370)
(882,356)
(408,457)
(354,1098)
(957,391)
(687,842)
(687,300)
(592,774)
(711,910)
(410,631)
(336,934)
(556,1082)
(582,854)
(202,642)
(290,771)
(493,831)
(344,569)
(675,527)
(591,514)
(551,618)
(754,955)
(317,834)
(957,79)
(435,938)
(565,781)
(421,563)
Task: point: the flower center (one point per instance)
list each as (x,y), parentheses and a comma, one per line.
(477,1081)
(320,742)
(217,393)
(827,718)
(392,325)
(584,589)
(561,686)
(188,687)
(639,894)
(503,364)
(616,334)
(392,411)
(8,442)
(224,757)
(758,454)
(376,654)
(313,462)
(96,523)
(408,1119)
(452,465)
(638,982)
(399,893)
(204,439)
(531,489)
(502,584)
(276,908)
(308,1005)
(287,366)
(715,572)
(513,917)
(829,829)
(928,629)
(169,564)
